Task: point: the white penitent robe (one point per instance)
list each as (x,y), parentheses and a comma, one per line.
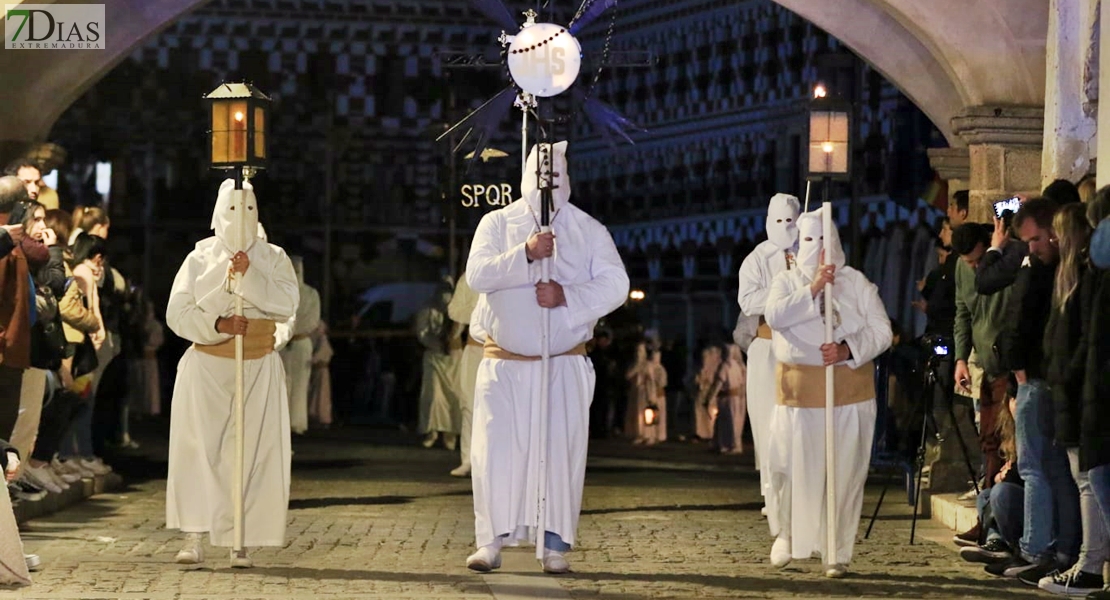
(439,405)
(505,451)
(796,454)
(297,355)
(461,310)
(202,420)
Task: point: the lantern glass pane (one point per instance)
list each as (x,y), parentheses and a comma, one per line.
(219,132)
(838,127)
(237,132)
(259,133)
(831,163)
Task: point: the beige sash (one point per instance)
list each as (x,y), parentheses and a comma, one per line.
(492,350)
(258,342)
(803,386)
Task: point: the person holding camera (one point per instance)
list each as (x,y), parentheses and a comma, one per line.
(979,319)
(1051,533)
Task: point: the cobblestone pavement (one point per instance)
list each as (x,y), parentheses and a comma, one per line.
(386,521)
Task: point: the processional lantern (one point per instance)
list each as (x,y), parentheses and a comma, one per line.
(238,115)
(651,415)
(829,136)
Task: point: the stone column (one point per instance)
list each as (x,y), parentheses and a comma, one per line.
(1004,145)
(952,165)
(1069,132)
(1102,176)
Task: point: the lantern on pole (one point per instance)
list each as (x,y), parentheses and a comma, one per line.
(651,415)
(238,115)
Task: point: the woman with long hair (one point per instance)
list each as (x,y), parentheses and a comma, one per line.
(1065,358)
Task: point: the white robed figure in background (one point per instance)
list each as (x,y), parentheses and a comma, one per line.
(796,453)
(296,357)
(202,422)
(769,258)
(438,410)
(461,310)
(588,281)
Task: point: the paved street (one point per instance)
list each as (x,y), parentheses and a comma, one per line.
(386,521)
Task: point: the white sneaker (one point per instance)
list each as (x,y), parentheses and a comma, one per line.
(555,563)
(40,479)
(462,470)
(71,470)
(192,553)
(486,559)
(33,562)
(96,465)
(837,571)
(781,552)
(241,559)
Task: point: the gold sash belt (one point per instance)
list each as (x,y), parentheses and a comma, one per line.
(473,342)
(258,342)
(492,350)
(764,331)
(803,386)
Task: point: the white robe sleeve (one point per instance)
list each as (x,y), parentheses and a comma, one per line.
(271,286)
(489,267)
(752,294)
(462,303)
(607,288)
(875,336)
(786,308)
(283,332)
(185,314)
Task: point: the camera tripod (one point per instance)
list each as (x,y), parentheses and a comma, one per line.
(928,420)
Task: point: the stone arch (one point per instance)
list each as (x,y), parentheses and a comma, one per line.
(40,85)
(945,55)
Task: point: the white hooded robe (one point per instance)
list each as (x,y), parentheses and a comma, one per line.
(297,355)
(202,421)
(757,271)
(796,455)
(505,449)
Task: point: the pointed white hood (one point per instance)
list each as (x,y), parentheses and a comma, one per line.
(555,156)
(223,217)
(811,241)
(782,221)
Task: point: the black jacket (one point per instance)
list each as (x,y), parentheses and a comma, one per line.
(998,270)
(1094,432)
(1019,343)
(1066,359)
(940,293)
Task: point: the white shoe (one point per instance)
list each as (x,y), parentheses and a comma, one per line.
(555,563)
(95,465)
(450,440)
(486,559)
(192,553)
(781,552)
(836,571)
(70,470)
(40,479)
(241,559)
(462,470)
(763,511)
(430,439)
(33,561)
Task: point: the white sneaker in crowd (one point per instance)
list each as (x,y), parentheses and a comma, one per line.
(41,477)
(96,465)
(73,468)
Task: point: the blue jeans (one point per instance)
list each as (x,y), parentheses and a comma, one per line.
(1007,504)
(1099,478)
(551,541)
(1051,498)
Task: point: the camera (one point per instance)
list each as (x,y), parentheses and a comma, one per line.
(1011,205)
(936,347)
(940,350)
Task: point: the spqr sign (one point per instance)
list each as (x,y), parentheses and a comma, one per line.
(477,194)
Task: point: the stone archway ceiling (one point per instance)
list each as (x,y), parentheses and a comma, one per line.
(945,55)
(40,84)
